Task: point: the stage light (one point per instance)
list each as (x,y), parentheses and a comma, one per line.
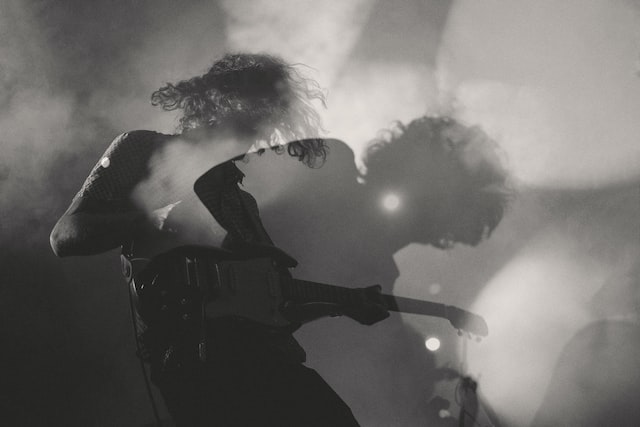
(391,202)
(443,413)
(432,343)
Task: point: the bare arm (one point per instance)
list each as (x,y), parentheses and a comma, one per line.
(90,227)
(101,217)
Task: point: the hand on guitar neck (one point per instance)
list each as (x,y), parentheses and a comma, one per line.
(309,301)
(366,306)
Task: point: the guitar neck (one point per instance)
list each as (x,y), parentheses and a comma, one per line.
(304,291)
(410,305)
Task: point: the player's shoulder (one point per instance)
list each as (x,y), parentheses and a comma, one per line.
(138,137)
(123,165)
(135,143)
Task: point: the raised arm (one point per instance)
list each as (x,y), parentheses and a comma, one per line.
(90,226)
(101,216)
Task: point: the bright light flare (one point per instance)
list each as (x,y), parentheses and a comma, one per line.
(443,413)
(391,202)
(432,344)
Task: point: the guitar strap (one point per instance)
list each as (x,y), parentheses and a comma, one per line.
(129,267)
(126,261)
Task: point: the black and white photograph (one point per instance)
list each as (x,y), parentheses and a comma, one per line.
(338,213)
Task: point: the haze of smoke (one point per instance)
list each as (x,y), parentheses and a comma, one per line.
(555,80)
(65,101)
(67,90)
(173,172)
(549,291)
(323,39)
(554,83)
(34,118)
(371,96)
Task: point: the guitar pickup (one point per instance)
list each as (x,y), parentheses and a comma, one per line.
(203,275)
(216,283)
(191,269)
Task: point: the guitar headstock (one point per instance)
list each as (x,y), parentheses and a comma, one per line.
(465,321)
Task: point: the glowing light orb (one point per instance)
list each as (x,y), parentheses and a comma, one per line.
(443,413)
(391,202)
(435,288)
(432,344)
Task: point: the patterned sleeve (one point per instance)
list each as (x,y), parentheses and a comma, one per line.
(120,169)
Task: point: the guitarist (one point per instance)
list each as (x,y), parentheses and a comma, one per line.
(139,196)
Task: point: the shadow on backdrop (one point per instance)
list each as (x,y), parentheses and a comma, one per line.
(346,232)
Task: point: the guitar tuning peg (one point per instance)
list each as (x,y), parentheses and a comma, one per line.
(478,339)
(459,332)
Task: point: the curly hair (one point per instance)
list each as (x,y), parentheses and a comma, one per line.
(456,168)
(259,89)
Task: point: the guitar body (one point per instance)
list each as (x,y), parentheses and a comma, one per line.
(250,289)
(190,284)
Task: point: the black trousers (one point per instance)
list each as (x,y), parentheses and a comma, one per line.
(248,382)
(245,393)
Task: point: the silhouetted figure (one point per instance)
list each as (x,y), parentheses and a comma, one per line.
(433,181)
(212,369)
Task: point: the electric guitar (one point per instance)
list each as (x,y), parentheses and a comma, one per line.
(191,283)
